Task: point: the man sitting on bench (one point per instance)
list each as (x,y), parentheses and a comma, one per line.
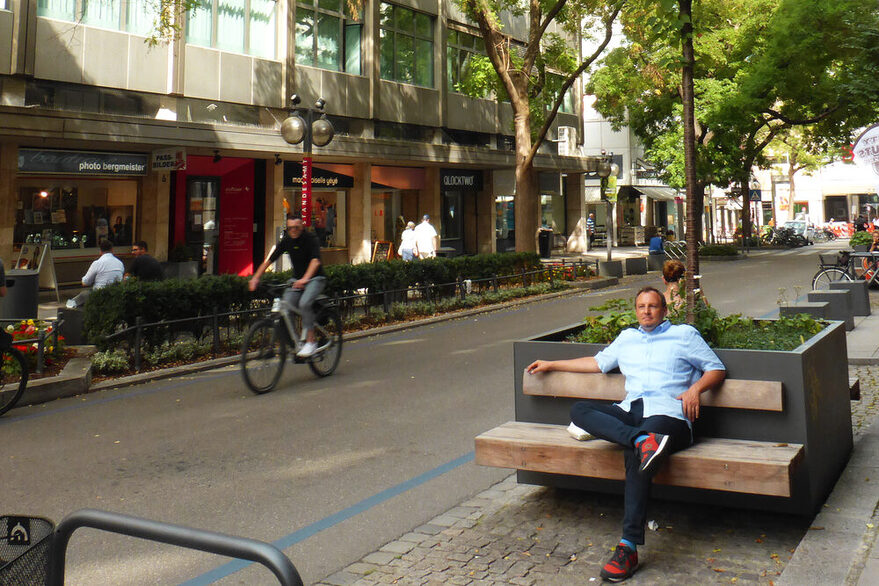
(667,367)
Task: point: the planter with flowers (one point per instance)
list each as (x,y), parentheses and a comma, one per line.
(25,338)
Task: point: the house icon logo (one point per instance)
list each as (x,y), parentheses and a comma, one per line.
(18,531)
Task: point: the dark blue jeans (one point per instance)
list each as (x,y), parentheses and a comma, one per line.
(613,424)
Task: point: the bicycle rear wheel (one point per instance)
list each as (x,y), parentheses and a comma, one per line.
(13,378)
(328,334)
(824,277)
(262,355)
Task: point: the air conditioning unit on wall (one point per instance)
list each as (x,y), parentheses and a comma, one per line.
(567,141)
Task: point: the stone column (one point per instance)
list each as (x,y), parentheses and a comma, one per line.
(575,213)
(360,215)
(8,200)
(486,242)
(155,213)
(429,198)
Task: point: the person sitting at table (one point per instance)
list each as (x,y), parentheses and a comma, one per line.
(105,270)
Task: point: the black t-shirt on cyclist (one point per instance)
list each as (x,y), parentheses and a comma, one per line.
(301,250)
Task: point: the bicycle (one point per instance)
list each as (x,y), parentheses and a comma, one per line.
(264,349)
(842,268)
(12,384)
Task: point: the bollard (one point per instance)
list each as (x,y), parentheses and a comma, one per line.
(138,337)
(494,285)
(215,326)
(40,352)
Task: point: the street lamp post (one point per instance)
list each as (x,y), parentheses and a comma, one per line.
(605,169)
(311,127)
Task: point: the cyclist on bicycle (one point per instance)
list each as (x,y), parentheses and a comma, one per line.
(303,249)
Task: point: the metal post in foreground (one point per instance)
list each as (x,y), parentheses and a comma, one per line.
(208,541)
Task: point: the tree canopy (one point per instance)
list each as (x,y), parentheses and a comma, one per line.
(762,67)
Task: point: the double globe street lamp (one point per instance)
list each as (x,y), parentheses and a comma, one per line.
(309,126)
(606,169)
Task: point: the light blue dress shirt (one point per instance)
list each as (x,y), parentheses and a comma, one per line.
(659,365)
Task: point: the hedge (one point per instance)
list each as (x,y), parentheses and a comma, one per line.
(118,306)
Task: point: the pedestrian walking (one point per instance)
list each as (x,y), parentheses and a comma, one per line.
(426,238)
(408,247)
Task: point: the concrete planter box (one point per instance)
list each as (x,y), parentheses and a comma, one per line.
(636,266)
(817,414)
(655,261)
(839,306)
(817,309)
(860,295)
(610,268)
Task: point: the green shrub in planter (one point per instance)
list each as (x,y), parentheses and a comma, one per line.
(860,238)
(718,250)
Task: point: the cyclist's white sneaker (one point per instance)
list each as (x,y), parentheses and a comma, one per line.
(307,350)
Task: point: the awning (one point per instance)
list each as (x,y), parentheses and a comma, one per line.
(657,193)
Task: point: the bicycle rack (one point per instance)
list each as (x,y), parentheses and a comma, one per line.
(207,541)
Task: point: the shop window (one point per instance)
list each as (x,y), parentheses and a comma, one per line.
(239,26)
(406,45)
(505,222)
(328,35)
(75,213)
(133,16)
(328,219)
(453,217)
(81,98)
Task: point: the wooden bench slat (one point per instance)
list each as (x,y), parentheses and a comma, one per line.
(717,464)
(733,393)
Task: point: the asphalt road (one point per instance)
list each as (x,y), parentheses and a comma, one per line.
(329,469)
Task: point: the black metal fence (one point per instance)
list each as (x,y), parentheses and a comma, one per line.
(224,331)
(40,340)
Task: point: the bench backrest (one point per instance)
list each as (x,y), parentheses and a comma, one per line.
(733,393)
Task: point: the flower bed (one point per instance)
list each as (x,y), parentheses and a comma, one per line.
(29,330)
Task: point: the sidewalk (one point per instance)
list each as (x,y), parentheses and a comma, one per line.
(531,535)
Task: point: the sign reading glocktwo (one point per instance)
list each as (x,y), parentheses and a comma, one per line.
(460,179)
(60,162)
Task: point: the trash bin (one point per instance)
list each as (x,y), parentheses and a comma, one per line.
(544,242)
(22,294)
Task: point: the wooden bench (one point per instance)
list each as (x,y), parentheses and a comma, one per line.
(733,465)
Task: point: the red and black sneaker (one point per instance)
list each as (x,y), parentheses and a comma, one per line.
(652,451)
(622,565)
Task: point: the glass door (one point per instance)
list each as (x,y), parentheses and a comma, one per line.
(202,220)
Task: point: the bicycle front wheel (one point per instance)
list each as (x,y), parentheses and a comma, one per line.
(262,356)
(328,334)
(13,378)
(824,277)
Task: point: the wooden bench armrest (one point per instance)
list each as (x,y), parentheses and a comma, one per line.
(756,395)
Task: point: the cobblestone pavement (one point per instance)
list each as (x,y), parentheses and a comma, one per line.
(524,535)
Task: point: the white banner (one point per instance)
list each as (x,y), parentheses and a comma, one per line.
(866,152)
(173,159)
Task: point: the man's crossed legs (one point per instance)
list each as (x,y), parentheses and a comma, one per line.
(665,435)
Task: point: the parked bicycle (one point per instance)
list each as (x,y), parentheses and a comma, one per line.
(13,373)
(842,268)
(264,350)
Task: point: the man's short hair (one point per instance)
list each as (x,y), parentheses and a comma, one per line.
(294,216)
(425,217)
(105,245)
(649,289)
(142,244)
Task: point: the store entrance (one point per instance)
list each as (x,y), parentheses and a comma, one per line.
(202,214)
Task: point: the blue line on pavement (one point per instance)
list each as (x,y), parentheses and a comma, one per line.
(310,530)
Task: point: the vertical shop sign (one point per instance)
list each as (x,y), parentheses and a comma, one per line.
(306,191)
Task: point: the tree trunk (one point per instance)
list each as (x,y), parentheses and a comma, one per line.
(526,205)
(694,205)
(744,192)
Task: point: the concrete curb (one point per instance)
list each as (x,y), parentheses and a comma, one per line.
(74,379)
(837,549)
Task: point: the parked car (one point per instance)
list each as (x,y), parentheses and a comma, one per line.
(802,228)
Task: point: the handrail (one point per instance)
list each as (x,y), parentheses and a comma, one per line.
(207,541)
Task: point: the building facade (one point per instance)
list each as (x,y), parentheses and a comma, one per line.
(103,136)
